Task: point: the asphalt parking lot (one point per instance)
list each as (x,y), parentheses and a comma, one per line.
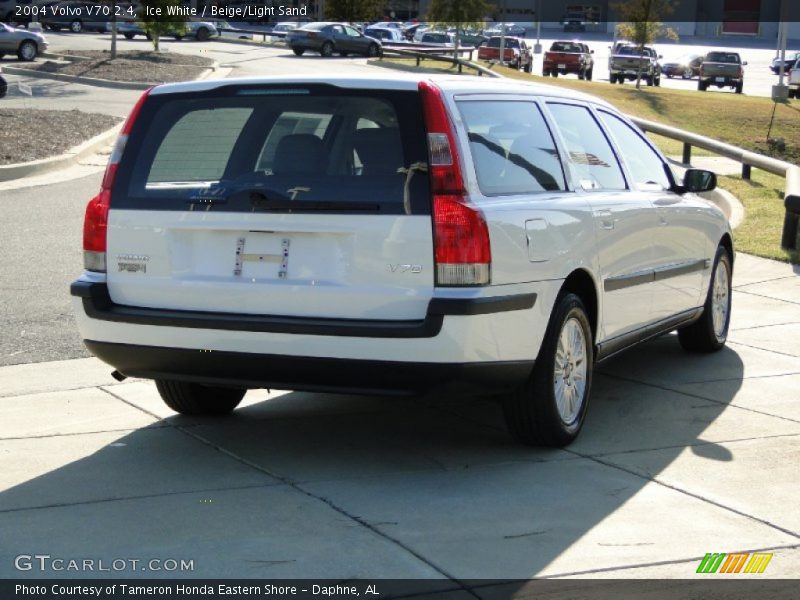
(682,455)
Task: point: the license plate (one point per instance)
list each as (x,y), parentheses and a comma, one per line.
(720,79)
(562,66)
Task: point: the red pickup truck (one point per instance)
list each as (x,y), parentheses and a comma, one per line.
(516,54)
(569,57)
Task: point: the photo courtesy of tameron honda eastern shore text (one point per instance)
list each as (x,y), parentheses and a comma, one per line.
(399,234)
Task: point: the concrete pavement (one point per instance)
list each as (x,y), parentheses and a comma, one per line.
(681,455)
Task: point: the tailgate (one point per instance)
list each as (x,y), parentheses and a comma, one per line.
(298,201)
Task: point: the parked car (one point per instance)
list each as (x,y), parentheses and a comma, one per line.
(722,69)
(283,28)
(420,31)
(788,63)
(386,34)
(199,30)
(794,80)
(411,30)
(227,31)
(406,233)
(512,29)
(575,21)
(626,62)
(470,37)
(3,85)
(329,38)
(686,66)
(76,16)
(568,57)
(27,45)
(516,53)
(438,38)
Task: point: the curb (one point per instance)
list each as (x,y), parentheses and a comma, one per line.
(46,165)
(104,83)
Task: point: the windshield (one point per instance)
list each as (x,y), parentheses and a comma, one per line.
(723,57)
(634,51)
(566,47)
(510,43)
(244,147)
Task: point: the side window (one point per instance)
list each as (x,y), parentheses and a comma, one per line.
(352,32)
(589,150)
(512,148)
(645,165)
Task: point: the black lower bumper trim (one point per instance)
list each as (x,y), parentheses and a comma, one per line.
(309,373)
(97,304)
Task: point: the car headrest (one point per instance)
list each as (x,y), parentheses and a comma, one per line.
(300,154)
(380,149)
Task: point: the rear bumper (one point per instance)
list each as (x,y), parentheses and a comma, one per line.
(310,373)
(97,304)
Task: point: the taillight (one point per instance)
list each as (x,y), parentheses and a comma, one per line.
(462,251)
(95,222)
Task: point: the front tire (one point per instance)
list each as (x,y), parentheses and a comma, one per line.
(549,409)
(710,332)
(27,51)
(129,36)
(326,50)
(196,400)
(589,74)
(76,26)
(203,34)
(373,51)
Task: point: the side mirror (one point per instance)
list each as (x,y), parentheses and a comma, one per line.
(591,51)
(660,57)
(744,64)
(698,180)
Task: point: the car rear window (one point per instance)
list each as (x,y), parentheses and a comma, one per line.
(566,47)
(723,57)
(295,148)
(510,43)
(512,148)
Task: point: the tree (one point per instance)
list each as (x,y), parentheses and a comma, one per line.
(160,17)
(642,24)
(461,14)
(353,10)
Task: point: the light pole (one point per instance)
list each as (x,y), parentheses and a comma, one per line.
(502,32)
(781,91)
(537,49)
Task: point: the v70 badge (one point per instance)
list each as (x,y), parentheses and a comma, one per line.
(243,257)
(405,268)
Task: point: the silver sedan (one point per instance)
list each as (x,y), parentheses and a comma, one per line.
(27,45)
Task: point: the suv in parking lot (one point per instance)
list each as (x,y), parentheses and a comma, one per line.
(404,234)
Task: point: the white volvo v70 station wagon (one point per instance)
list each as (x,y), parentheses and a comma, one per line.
(396,234)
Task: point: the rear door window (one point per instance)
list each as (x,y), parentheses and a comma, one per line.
(589,150)
(512,148)
(292,148)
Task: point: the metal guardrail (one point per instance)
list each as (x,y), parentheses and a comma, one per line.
(790,238)
(420,56)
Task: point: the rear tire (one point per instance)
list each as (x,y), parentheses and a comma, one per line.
(554,73)
(701,86)
(129,36)
(545,73)
(298,51)
(203,34)
(549,409)
(76,26)
(528,68)
(589,74)
(739,87)
(195,399)
(710,332)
